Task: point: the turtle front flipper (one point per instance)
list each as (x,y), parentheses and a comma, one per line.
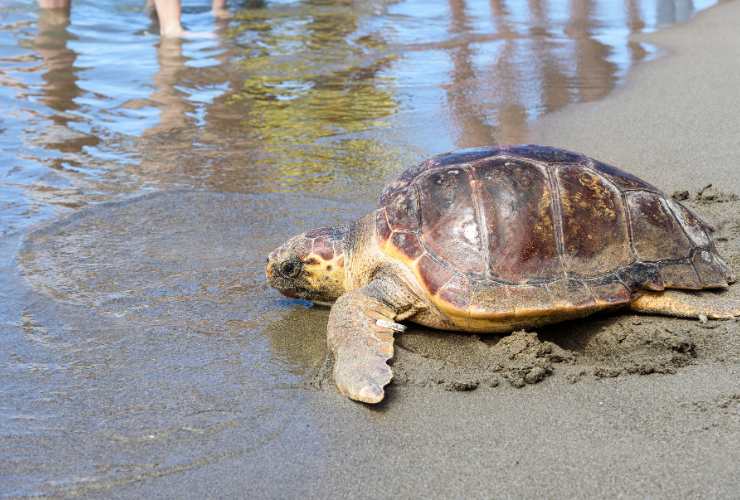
(360,335)
(687,304)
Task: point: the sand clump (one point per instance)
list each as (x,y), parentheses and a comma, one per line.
(460,362)
(465,362)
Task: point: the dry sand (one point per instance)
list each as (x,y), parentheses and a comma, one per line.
(618,405)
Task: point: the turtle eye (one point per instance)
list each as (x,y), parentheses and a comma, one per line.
(290,268)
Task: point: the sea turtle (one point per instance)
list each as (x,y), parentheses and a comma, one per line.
(496,239)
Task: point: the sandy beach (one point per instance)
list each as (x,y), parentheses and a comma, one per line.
(670,428)
(171,399)
(589,434)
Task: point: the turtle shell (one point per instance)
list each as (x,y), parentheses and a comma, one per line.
(524,231)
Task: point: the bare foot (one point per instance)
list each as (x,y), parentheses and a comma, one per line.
(172,31)
(168,13)
(179,32)
(198,35)
(219,10)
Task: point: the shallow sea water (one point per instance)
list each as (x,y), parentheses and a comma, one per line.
(138,339)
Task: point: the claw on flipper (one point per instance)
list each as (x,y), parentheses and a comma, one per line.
(396,327)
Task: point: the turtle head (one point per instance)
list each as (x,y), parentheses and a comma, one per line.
(310,266)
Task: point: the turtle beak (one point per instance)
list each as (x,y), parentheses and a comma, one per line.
(268,271)
(276,280)
(270,264)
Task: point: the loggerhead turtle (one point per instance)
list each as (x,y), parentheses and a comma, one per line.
(496,239)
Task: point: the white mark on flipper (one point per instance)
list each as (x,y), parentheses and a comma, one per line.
(384,323)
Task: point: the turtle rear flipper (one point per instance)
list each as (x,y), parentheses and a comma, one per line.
(360,335)
(688,304)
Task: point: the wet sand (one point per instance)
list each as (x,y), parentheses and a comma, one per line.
(186,404)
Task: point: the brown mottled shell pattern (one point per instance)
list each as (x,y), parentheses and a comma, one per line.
(531,230)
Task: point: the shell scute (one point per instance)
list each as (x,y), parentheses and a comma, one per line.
(402,209)
(408,244)
(694,227)
(433,274)
(450,226)
(570,293)
(610,292)
(656,233)
(382,226)
(681,274)
(458,157)
(642,274)
(595,231)
(530,300)
(489,298)
(515,200)
(711,271)
(457,293)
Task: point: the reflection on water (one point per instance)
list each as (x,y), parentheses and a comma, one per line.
(312,86)
(297,340)
(316,96)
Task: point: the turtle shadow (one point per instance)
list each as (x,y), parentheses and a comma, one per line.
(609,344)
(605,344)
(297,341)
(577,335)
